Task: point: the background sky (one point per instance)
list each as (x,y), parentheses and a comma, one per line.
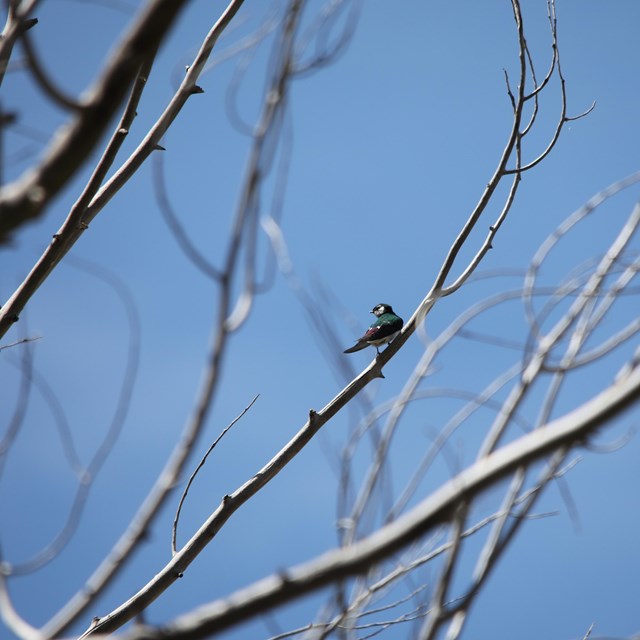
(392,146)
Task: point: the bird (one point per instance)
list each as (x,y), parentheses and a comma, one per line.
(386,327)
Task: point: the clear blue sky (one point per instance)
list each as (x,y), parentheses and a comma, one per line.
(392,146)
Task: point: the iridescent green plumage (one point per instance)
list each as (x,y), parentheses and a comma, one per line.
(386,327)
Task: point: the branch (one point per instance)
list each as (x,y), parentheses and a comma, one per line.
(28,196)
(15,623)
(15,343)
(92,201)
(17,22)
(573,428)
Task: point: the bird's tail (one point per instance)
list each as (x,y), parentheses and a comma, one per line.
(356,347)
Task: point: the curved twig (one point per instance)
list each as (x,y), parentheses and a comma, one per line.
(47,85)
(87,475)
(178,231)
(174,529)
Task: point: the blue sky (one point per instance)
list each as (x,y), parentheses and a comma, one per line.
(391,148)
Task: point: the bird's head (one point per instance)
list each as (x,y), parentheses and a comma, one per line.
(380,309)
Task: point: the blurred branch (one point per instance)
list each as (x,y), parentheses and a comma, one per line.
(32,377)
(539,357)
(245,223)
(438,600)
(580,215)
(441,508)
(502,533)
(265,137)
(42,77)
(173,222)
(226,322)
(594,299)
(87,475)
(21,404)
(320,31)
(94,198)
(15,623)
(28,196)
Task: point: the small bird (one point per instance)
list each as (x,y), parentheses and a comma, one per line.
(386,327)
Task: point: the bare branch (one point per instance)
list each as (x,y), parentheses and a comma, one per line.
(92,201)
(18,21)
(564,432)
(18,625)
(238,284)
(19,342)
(587,635)
(27,197)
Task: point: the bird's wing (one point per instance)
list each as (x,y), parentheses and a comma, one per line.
(380,330)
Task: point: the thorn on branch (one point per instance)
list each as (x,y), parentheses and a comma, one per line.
(158,147)
(284,576)
(376,372)
(313,416)
(28,24)
(196,89)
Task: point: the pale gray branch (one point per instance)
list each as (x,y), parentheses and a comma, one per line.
(566,431)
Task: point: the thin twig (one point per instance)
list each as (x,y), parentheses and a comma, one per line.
(201,464)
(17,342)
